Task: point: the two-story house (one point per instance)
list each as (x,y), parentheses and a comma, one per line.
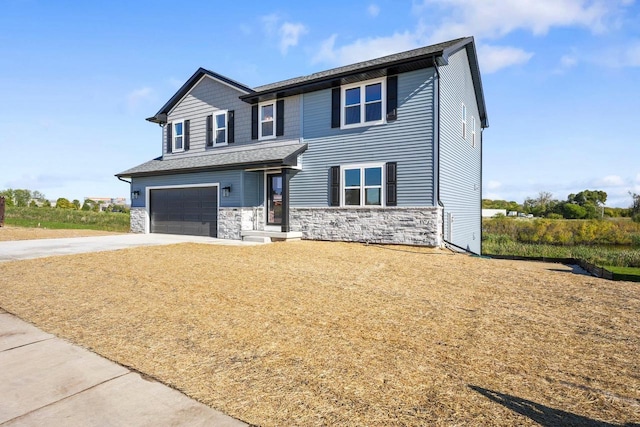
(386,151)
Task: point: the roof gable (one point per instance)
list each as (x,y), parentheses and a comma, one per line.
(161,115)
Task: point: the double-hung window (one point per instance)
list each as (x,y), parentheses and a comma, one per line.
(267,120)
(363,104)
(363,185)
(463,120)
(220,128)
(178,136)
(473,131)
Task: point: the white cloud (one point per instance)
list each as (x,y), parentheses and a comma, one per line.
(494,58)
(632,55)
(290,33)
(137,96)
(496,18)
(373,10)
(612,181)
(493,185)
(363,49)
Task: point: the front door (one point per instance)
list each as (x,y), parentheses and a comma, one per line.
(274,199)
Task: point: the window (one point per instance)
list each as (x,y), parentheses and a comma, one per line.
(463,119)
(473,131)
(267,120)
(362,185)
(363,104)
(220,128)
(178,136)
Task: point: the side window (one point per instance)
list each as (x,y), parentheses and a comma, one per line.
(463,120)
(473,131)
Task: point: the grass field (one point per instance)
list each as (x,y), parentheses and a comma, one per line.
(53,218)
(318,333)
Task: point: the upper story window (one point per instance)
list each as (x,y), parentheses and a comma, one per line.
(178,136)
(473,131)
(363,104)
(267,120)
(463,120)
(220,128)
(362,185)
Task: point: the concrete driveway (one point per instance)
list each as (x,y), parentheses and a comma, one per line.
(39,248)
(45,380)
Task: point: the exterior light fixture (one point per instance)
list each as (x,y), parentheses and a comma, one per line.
(135,194)
(226,190)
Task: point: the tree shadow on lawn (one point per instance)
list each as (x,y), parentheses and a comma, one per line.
(543,415)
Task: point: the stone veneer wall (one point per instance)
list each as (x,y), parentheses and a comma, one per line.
(233,220)
(409,226)
(138,217)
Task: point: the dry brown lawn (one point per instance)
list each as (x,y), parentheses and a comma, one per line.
(318,333)
(24,233)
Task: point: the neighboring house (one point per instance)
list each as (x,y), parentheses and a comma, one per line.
(104,202)
(490,213)
(386,151)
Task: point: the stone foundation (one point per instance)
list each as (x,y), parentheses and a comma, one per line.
(233,220)
(408,226)
(138,218)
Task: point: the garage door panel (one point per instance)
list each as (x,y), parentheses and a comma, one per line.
(191,211)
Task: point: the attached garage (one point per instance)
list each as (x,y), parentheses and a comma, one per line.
(188,210)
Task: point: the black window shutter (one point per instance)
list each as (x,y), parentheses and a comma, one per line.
(280,117)
(335,107)
(392,184)
(392,98)
(210,131)
(254,122)
(186,135)
(169,137)
(334,186)
(231,127)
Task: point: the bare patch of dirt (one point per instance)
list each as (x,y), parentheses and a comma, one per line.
(318,333)
(24,233)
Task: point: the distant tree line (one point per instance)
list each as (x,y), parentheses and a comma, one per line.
(587,204)
(26,198)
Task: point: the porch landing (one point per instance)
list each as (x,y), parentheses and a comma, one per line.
(266,236)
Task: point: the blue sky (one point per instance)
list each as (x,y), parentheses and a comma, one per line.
(78,78)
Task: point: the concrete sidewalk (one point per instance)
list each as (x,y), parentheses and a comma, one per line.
(25,249)
(45,380)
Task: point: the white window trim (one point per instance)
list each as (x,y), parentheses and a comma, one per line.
(362,167)
(173,136)
(260,121)
(362,85)
(215,127)
(463,120)
(473,131)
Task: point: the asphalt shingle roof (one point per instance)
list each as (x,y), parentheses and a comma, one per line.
(275,155)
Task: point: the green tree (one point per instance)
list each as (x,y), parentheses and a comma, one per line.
(540,206)
(22,197)
(76,204)
(63,203)
(46,203)
(635,206)
(33,204)
(90,205)
(573,211)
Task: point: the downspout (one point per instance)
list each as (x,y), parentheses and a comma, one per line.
(437,140)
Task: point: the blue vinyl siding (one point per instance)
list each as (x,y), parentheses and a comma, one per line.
(407,141)
(232,178)
(460,163)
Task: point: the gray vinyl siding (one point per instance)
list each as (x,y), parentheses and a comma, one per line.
(407,141)
(460,163)
(223,178)
(210,95)
(206,97)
